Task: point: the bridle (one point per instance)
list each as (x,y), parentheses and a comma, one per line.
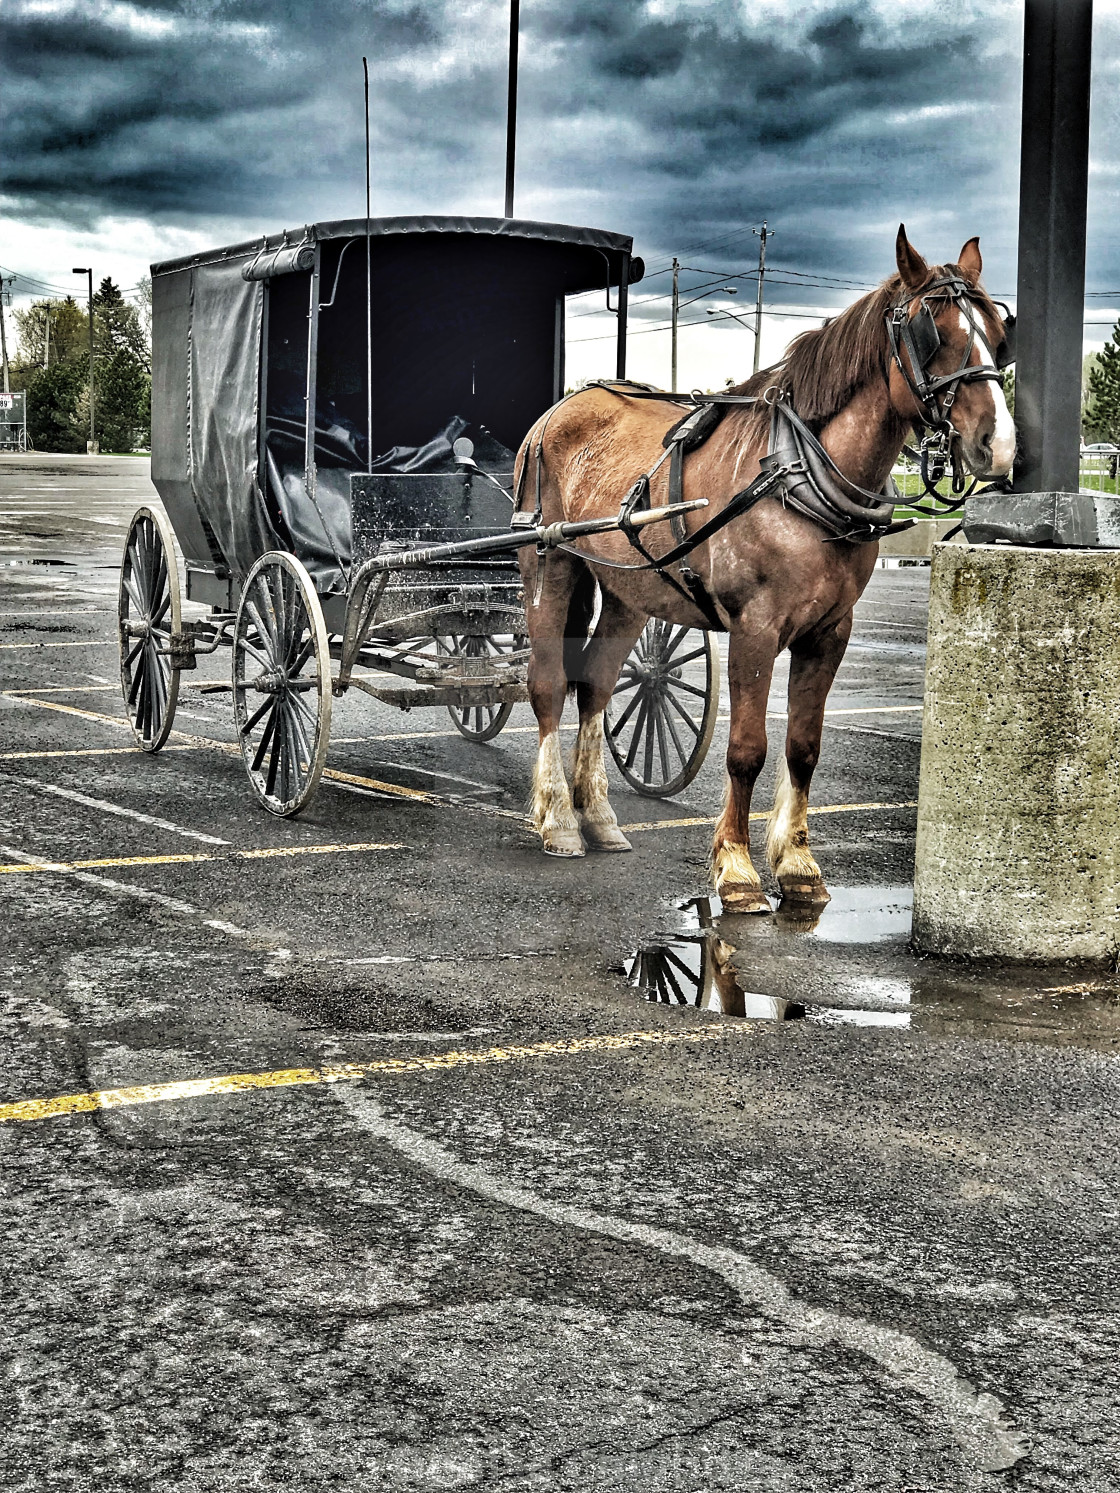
(918,336)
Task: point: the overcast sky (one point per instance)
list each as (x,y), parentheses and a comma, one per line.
(137,131)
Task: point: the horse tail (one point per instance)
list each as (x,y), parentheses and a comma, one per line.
(581,609)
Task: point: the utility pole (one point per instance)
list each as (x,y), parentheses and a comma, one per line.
(47,334)
(4,332)
(762,234)
(92,429)
(676,315)
(511,104)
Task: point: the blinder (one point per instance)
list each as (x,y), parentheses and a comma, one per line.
(1005,352)
(924,336)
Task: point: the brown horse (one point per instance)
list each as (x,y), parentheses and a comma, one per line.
(771,577)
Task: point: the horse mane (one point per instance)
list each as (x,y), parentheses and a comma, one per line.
(823,368)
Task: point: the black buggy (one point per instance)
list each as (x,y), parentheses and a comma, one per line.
(334,418)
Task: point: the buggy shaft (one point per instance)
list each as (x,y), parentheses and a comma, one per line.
(544,534)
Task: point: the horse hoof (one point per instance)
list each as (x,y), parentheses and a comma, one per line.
(606,837)
(806,892)
(564,843)
(749,899)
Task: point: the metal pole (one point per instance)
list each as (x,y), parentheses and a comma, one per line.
(623,303)
(763,234)
(47,335)
(3,337)
(369,293)
(89,271)
(676,315)
(1054,179)
(511,103)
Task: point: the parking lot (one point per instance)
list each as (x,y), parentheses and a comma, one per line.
(393,1176)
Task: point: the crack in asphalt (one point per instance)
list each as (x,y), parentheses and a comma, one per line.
(976,1420)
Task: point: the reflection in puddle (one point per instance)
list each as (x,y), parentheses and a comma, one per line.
(695,970)
(714,960)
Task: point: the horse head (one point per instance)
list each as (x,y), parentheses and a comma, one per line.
(945,371)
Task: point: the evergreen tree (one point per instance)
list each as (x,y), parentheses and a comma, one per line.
(122,365)
(1102,414)
(55,398)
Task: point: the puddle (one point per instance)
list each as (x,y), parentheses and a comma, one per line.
(695,970)
(819,966)
(856,915)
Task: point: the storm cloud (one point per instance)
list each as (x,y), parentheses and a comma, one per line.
(681,121)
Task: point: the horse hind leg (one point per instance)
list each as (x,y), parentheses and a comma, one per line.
(551,808)
(597,819)
(554,626)
(616,632)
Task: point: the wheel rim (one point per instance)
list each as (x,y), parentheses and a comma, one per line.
(148,614)
(662,714)
(281,683)
(479,722)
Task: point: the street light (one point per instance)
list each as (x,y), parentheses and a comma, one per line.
(723,311)
(91,449)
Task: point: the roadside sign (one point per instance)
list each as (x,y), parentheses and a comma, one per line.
(13,422)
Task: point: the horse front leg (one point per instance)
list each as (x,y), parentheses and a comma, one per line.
(750,664)
(813,665)
(616,632)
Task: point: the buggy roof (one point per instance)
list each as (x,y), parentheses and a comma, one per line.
(584,271)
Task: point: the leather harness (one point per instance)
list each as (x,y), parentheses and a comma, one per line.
(796,470)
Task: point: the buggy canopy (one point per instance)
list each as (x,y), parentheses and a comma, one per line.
(270,384)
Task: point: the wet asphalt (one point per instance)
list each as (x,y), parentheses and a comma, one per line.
(859,1236)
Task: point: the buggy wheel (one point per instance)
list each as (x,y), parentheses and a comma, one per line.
(675,973)
(148,616)
(662,714)
(281,683)
(479,722)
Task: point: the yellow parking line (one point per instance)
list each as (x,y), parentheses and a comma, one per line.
(395,790)
(281,1078)
(193,858)
(86,643)
(634,829)
(85,715)
(84,752)
(70,689)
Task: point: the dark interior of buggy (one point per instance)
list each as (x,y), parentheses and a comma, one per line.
(464,344)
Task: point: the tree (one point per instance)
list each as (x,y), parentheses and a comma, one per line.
(122,365)
(1102,414)
(58,329)
(55,398)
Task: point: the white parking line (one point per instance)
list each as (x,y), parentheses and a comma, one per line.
(109,808)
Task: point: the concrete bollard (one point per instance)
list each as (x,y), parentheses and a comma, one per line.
(1018,852)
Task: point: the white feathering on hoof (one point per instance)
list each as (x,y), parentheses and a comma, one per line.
(589,776)
(787,833)
(732,866)
(551,809)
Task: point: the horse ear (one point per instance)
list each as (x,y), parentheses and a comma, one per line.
(911,266)
(970,262)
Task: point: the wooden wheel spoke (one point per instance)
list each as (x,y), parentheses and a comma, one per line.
(684,715)
(255,718)
(690,689)
(667,724)
(266,736)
